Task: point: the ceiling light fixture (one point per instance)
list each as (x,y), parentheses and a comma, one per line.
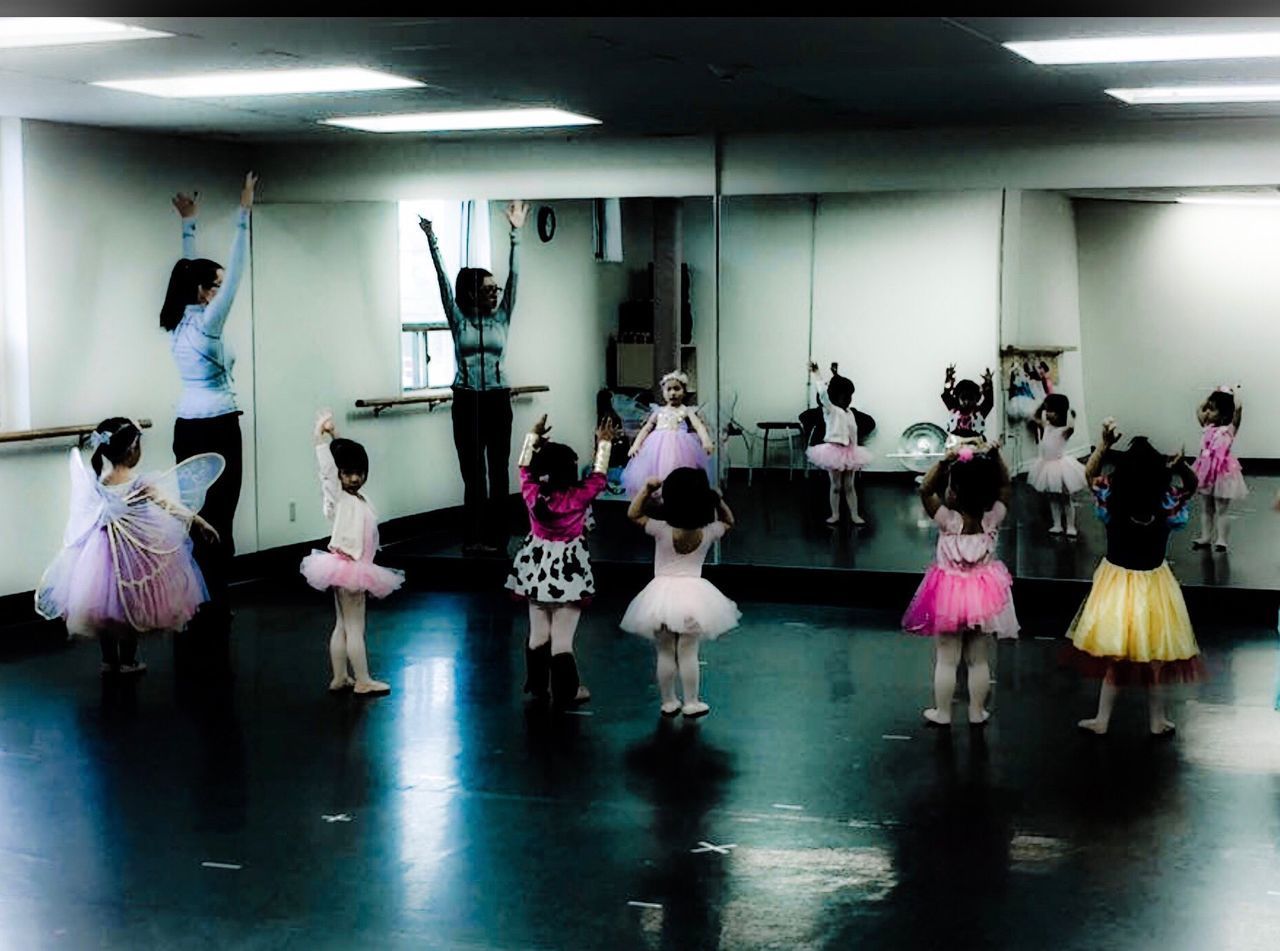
(18,32)
(1181,95)
(268,82)
(1148,49)
(486,120)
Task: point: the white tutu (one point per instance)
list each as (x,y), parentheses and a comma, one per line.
(1021,407)
(682,606)
(1057,476)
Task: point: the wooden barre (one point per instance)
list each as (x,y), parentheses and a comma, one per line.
(432,400)
(56,432)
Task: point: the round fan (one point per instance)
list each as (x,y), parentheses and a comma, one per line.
(920,446)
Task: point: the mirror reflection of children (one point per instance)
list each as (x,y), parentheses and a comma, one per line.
(679,609)
(347,568)
(1053,473)
(969,403)
(967,593)
(1217,468)
(839,452)
(1134,626)
(666,442)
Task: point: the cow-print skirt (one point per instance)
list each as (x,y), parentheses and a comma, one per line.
(548,572)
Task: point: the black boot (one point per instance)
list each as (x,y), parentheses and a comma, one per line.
(564,682)
(537,665)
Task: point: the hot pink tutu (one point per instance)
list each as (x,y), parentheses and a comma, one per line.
(662,452)
(327,569)
(951,601)
(836,458)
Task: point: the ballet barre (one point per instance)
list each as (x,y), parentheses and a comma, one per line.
(57,432)
(433,399)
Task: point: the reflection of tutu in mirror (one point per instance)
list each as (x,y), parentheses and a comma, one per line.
(836,458)
(662,453)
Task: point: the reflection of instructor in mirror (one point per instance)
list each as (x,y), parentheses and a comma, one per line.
(479,315)
(195,311)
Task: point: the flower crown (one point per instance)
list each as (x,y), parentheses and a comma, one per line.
(676,376)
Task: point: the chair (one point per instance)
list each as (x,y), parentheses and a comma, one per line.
(777,429)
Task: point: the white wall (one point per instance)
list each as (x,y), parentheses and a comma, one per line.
(903,285)
(101,238)
(1041,305)
(1175,300)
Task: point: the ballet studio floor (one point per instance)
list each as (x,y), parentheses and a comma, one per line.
(226,800)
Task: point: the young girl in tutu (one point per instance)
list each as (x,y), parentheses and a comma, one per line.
(679,609)
(347,567)
(665,442)
(1053,472)
(552,570)
(126,565)
(967,593)
(839,452)
(1221,481)
(969,403)
(1134,625)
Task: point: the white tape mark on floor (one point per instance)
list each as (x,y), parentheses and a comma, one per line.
(580,713)
(234,868)
(894,736)
(340,817)
(644,904)
(787,805)
(712,847)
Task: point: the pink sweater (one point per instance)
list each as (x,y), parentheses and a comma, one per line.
(568,508)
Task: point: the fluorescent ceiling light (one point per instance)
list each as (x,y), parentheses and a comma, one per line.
(464,121)
(1240,200)
(65,31)
(1153,95)
(268,82)
(1148,49)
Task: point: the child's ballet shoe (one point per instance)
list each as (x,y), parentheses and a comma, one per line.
(1199,543)
(339,685)
(670,710)
(982,720)
(1219,547)
(372,688)
(857,520)
(1072,533)
(833,520)
(932,718)
(694,710)
(1164,729)
(1092,727)
(1055,530)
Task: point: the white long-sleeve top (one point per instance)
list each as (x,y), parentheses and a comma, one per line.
(347,512)
(841,424)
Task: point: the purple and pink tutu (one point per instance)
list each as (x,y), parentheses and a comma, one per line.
(836,458)
(664,451)
(326,569)
(84,587)
(950,602)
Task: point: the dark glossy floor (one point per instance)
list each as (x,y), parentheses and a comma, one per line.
(810,810)
(780,522)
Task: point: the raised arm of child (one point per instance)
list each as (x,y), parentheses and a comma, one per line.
(1110,436)
(1239,413)
(636,511)
(931,487)
(988,394)
(949,389)
(725,514)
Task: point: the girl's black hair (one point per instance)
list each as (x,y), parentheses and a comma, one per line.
(1139,481)
(1057,403)
(840,390)
(968,392)
(976,484)
(349,456)
(1224,404)
(688,501)
(466,289)
(555,465)
(185,280)
(118,438)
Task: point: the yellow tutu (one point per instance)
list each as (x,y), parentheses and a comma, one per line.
(1134,616)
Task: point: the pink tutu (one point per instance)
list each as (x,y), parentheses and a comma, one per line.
(326,569)
(663,451)
(1220,476)
(1063,476)
(978,598)
(683,606)
(836,458)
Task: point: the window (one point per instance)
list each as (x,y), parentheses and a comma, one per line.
(426,345)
